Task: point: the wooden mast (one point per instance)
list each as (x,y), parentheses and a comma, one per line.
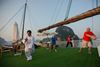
(24,20)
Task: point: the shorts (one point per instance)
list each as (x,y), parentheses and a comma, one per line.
(53,43)
(86,43)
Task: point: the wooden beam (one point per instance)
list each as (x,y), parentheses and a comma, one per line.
(87,14)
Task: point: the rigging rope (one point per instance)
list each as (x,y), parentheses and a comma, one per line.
(10,19)
(68,9)
(20,28)
(28,11)
(59,10)
(92,18)
(54,13)
(97,3)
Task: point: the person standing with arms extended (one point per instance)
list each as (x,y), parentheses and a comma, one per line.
(86,41)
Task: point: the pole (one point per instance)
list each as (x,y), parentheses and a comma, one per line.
(24,20)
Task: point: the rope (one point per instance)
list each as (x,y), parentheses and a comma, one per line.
(54,13)
(10,19)
(68,9)
(92,18)
(97,3)
(20,28)
(31,25)
(59,10)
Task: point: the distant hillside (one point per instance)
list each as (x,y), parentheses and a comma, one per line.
(64,31)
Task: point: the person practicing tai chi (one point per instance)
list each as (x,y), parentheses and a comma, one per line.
(69,41)
(86,41)
(29,45)
(53,43)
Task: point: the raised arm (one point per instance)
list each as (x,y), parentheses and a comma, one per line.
(92,36)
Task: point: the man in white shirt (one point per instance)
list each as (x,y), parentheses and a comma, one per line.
(29,45)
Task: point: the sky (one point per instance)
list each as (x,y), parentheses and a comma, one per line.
(42,13)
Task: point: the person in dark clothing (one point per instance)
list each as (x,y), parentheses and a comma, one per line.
(69,41)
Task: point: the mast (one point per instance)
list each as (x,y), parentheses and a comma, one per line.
(24,20)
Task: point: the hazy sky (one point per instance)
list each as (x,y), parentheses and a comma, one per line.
(42,13)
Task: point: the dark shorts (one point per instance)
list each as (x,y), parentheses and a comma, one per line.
(53,43)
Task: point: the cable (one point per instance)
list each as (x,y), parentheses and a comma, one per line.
(59,10)
(97,3)
(54,13)
(68,9)
(92,18)
(20,28)
(31,25)
(10,19)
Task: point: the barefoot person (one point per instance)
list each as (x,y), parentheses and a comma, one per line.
(88,35)
(29,45)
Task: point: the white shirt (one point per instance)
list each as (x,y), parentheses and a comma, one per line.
(29,43)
